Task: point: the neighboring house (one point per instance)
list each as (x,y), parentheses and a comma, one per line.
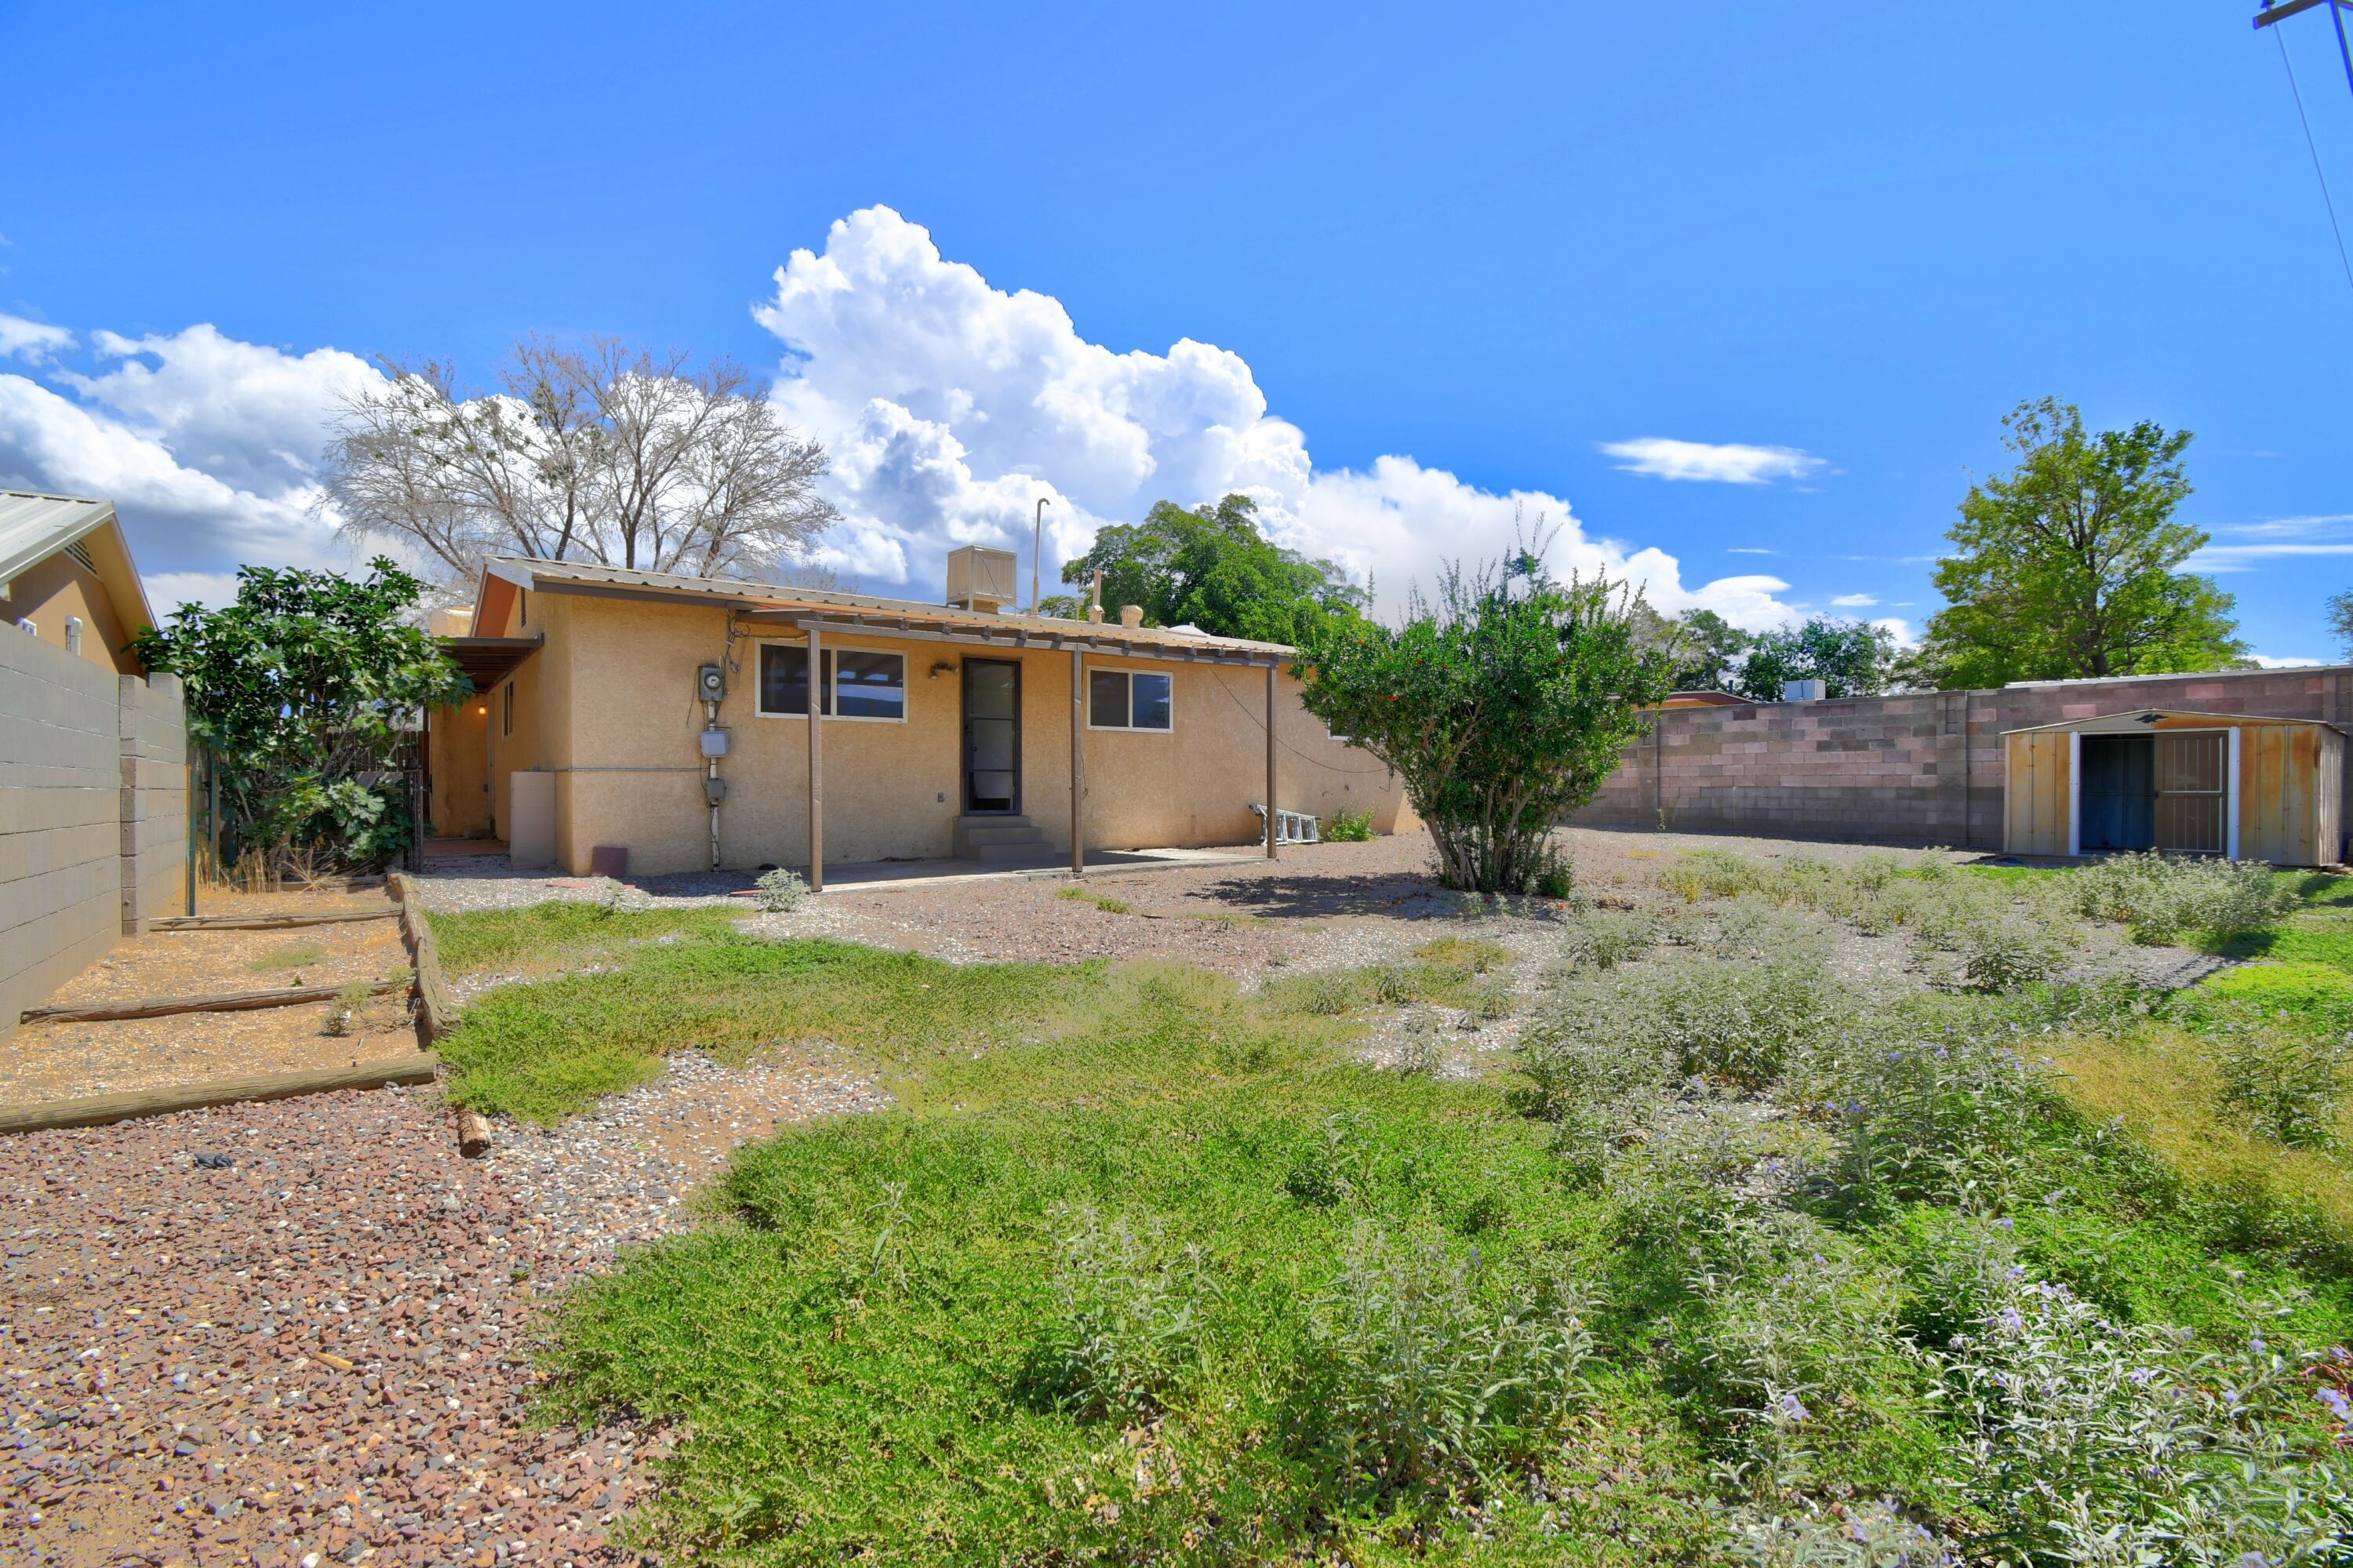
(94,757)
(947,731)
(66,576)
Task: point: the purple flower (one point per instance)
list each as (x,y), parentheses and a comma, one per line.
(2012,1320)
(2337,1404)
(2005,1224)
(2141,1377)
(1790,1407)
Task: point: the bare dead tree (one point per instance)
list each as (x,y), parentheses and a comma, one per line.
(600,451)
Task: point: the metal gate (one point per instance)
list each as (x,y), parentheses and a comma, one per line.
(2193,792)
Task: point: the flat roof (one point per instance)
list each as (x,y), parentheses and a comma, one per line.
(869,614)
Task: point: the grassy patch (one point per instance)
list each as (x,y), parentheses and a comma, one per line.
(1108,905)
(290,955)
(2166,1086)
(1032,1338)
(1144,1270)
(564,932)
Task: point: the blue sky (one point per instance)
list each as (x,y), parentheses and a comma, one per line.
(1451,257)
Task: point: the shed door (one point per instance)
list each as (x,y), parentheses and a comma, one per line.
(2192,791)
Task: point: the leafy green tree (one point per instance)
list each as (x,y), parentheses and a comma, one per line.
(303,690)
(1709,652)
(1214,569)
(2068,566)
(1849,658)
(2340,620)
(1502,706)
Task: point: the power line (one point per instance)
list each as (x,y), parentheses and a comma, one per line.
(2314,148)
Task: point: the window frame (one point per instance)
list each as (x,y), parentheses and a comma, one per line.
(506,712)
(829,691)
(1131,727)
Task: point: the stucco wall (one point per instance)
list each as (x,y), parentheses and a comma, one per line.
(93,813)
(51,590)
(615,715)
(1925,769)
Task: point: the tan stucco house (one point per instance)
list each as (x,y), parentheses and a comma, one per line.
(667,716)
(67,577)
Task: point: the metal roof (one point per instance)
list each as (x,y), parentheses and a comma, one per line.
(872,611)
(2136,720)
(34,526)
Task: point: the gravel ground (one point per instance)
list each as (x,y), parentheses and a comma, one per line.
(622,1173)
(313,1353)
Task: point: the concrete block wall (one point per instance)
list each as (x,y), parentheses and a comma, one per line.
(92,820)
(1919,770)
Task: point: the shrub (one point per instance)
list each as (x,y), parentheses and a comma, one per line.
(2290,1084)
(1796,1326)
(1344,827)
(1420,1053)
(2163,897)
(1428,1365)
(781,890)
(302,688)
(1602,939)
(2102,1442)
(1873,1534)
(1504,706)
(1124,1333)
(1579,1053)
(1932,1119)
(2007,953)
(1741,1022)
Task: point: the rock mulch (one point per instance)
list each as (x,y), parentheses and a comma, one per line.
(623,1171)
(289,1333)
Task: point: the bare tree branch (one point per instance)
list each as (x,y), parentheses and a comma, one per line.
(599,451)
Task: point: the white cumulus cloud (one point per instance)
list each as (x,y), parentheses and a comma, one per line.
(1853,600)
(1659,457)
(950,406)
(207,446)
(31,341)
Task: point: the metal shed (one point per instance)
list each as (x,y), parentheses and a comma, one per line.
(2223,784)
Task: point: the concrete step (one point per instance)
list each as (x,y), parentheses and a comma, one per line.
(1036,849)
(996,830)
(997,838)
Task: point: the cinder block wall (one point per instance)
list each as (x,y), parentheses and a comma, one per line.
(93,813)
(1918,769)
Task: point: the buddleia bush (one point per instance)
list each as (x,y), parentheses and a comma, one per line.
(2093,1441)
(1933,1118)
(2290,1084)
(1428,1362)
(1602,939)
(2162,897)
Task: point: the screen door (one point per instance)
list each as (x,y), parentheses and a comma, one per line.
(2192,791)
(992,736)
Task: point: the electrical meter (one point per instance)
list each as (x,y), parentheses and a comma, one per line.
(711,682)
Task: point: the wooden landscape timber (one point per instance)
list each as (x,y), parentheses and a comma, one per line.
(437,1013)
(436,1005)
(266,922)
(225,1002)
(96,1110)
